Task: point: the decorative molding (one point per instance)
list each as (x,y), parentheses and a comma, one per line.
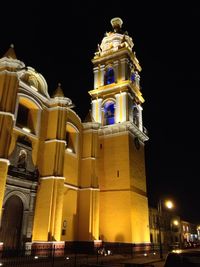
(55,140)
(5,160)
(7,114)
(52,177)
(121,128)
(74,187)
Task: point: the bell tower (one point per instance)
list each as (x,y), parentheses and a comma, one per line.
(116,96)
(117,107)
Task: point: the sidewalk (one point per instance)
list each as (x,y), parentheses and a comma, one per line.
(149,259)
(126,261)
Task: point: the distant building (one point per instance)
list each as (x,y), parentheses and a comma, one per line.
(174,231)
(62,179)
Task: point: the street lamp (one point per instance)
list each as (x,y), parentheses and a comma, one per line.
(168,204)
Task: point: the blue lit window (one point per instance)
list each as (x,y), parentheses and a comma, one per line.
(109,113)
(132,77)
(109,76)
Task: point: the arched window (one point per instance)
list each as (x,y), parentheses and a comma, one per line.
(109,113)
(71,138)
(27,115)
(109,76)
(132,77)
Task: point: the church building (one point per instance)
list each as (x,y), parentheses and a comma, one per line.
(63,179)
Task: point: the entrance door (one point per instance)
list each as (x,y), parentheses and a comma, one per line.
(12,222)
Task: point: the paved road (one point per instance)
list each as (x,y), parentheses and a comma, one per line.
(158,264)
(71,261)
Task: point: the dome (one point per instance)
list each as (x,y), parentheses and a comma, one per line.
(115,39)
(35,80)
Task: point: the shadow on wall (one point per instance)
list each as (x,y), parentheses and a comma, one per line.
(119,238)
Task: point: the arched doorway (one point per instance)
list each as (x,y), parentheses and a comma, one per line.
(12,222)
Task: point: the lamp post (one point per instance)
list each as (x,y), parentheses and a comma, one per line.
(169,205)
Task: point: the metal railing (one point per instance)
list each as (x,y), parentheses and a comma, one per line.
(108,254)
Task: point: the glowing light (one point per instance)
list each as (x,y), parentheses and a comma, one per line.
(145,254)
(36,257)
(67,258)
(1,264)
(154,253)
(26,129)
(175,222)
(169,204)
(177,250)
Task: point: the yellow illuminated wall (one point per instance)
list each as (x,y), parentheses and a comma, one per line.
(92,180)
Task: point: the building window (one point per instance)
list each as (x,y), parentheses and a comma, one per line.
(109,76)
(22,116)
(27,116)
(71,138)
(109,113)
(132,77)
(135,116)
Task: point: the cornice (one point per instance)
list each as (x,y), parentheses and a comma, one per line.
(121,128)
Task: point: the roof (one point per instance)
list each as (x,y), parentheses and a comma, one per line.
(10,52)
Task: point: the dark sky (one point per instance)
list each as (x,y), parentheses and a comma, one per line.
(59,40)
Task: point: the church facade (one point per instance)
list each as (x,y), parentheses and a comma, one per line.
(62,179)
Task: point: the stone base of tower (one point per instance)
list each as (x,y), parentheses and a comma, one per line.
(86,247)
(127,248)
(98,246)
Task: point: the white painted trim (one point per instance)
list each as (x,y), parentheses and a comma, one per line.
(30,98)
(26,133)
(81,189)
(92,158)
(52,177)
(71,186)
(7,114)
(89,188)
(5,160)
(55,140)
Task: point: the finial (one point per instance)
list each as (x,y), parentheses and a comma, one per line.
(58,92)
(116,23)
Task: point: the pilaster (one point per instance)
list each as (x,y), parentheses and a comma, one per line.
(3,175)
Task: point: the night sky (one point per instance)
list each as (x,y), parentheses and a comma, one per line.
(59,41)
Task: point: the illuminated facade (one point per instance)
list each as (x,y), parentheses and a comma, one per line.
(66,180)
